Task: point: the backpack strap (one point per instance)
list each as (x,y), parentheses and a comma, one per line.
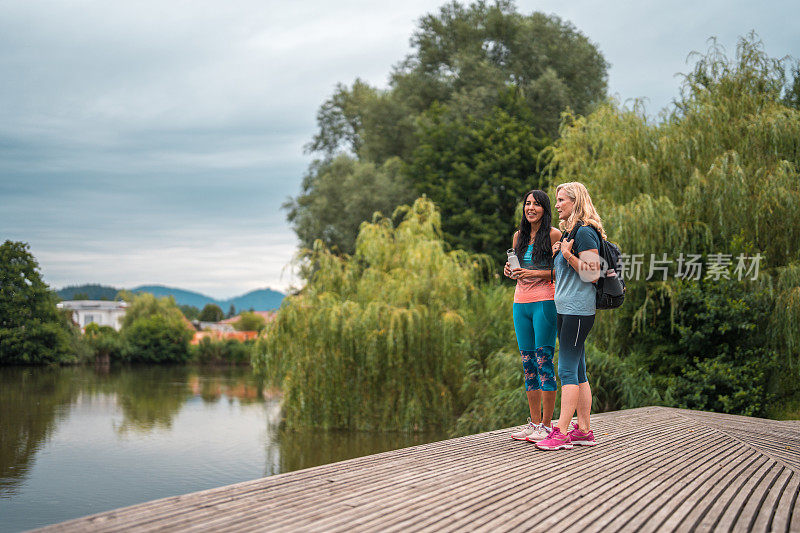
(601,250)
(571,235)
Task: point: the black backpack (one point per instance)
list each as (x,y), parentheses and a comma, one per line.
(610,289)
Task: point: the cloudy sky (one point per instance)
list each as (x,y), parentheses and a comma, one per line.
(155,141)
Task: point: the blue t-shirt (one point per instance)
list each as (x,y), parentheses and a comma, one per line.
(573,295)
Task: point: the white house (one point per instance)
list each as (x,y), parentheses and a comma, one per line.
(101,312)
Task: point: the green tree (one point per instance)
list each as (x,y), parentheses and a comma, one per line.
(211,313)
(339,194)
(145,305)
(470,54)
(106,343)
(155,331)
(476,169)
(190,312)
(157,339)
(465,60)
(31,328)
(249,321)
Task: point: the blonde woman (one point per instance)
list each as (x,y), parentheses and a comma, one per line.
(577,267)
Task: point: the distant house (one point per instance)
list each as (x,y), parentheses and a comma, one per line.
(240,336)
(266,315)
(214,326)
(101,312)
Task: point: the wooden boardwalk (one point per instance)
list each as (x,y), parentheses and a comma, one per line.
(654,469)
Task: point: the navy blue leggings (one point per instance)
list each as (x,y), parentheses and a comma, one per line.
(572,332)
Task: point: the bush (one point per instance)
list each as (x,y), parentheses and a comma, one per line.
(105,343)
(618,383)
(250,322)
(716,352)
(499,398)
(156,339)
(216,351)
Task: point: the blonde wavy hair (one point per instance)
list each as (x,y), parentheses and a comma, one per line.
(584,208)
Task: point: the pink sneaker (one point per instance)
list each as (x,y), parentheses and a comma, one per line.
(580,438)
(555,441)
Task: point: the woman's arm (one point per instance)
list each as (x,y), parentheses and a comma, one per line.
(523,273)
(585,262)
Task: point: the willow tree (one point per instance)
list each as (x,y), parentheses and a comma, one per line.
(383,338)
(718,174)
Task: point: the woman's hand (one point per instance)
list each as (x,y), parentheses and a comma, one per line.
(566,248)
(556,247)
(515,273)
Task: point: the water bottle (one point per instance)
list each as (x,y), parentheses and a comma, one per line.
(512,258)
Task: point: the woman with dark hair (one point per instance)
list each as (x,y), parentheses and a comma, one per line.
(535,311)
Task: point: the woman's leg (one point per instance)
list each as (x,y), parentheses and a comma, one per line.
(544,326)
(535,405)
(584,394)
(584,406)
(523,327)
(572,368)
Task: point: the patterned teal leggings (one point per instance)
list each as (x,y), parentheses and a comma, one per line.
(535,326)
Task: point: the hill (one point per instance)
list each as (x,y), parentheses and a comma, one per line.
(258,300)
(88,292)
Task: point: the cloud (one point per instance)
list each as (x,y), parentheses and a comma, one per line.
(215,263)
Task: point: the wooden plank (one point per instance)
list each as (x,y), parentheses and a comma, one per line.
(784,507)
(730,518)
(765,519)
(599,515)
(220,498)
(461,515)
(730,476)
(592,486)
(655,492)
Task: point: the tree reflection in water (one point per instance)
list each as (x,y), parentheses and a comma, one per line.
(34,399)
(31,400)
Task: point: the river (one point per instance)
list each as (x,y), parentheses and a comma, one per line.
(80,440)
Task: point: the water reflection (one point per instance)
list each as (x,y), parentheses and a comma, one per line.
(30,401)
(150,397)
(33,400)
